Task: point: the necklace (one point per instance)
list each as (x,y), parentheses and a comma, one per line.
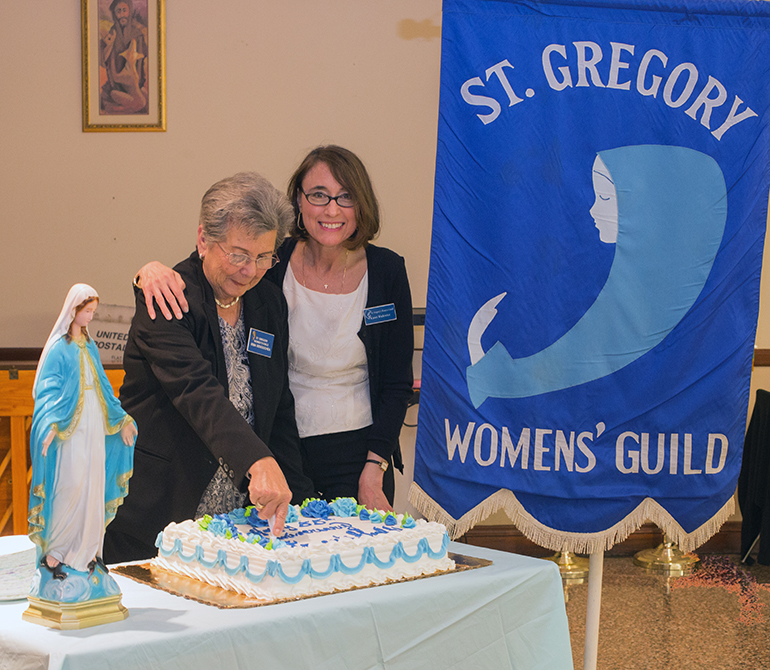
(326,285)
(229,304)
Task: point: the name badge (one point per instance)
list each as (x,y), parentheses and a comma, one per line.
(260,343)
(381,314)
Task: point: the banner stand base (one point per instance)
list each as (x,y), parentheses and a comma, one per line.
(666,559)
(573,568)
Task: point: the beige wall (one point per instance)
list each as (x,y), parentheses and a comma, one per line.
(763,326)
(251,85)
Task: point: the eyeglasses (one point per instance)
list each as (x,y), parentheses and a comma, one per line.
(264,262)
(319,198)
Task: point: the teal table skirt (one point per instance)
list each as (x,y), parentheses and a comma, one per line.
(509,615)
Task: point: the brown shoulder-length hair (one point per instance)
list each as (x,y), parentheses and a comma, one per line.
(350,172)
(79,308)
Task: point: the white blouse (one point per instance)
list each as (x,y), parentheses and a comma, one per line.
(328,373)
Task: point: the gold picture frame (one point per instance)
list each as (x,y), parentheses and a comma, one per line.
(124,65)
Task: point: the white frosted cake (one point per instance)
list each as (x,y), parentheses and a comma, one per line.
(324,548)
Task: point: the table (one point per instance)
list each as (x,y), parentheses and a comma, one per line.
(507,615)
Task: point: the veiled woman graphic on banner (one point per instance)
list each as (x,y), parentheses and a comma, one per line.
(671,207)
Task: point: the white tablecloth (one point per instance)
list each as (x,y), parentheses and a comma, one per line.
(508,615)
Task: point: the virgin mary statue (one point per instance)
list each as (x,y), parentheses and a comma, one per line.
(82,457)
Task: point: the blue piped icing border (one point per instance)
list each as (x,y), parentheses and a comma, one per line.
(274,568)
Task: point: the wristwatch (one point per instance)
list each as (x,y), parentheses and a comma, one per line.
(383,464)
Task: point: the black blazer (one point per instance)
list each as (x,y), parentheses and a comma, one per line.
(177,391)
(389,345)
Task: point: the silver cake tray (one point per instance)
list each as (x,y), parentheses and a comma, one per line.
(192,589)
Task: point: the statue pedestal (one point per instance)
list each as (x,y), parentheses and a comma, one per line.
(73,616)
(75,599)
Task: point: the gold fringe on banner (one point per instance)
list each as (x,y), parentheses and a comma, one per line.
(557,540)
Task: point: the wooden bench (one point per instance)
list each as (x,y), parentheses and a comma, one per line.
(16,407)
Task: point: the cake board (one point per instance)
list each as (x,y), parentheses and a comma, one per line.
(192,589)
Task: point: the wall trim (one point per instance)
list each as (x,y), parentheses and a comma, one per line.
(648,536)
(20,355)
(25,355)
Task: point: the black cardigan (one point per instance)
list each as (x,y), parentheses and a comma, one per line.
(389,345)
(176,389)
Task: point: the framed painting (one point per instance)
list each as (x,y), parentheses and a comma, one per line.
(124,79)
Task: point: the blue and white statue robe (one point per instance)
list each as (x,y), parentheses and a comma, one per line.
(82,480)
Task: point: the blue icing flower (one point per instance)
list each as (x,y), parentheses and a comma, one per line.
(230,528)
(363,514)
(218,527)
(408,522)
(344,506)
(391,520)
(292,515)
(316,509)
(254,520)
(238,515)
(277,544)
(375,516)
(252,517)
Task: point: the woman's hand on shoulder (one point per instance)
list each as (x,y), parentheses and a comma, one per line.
(163,285)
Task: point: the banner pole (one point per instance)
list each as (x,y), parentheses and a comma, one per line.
(593,607)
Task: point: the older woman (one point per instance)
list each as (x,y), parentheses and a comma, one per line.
(210,392)
(350,321)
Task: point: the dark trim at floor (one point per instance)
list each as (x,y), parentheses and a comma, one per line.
(649,536)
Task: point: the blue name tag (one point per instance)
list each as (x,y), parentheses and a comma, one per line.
(260,343)
(381,314)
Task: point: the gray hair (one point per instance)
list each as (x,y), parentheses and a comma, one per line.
(247,201)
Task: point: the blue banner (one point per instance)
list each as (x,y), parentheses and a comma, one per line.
(600,209)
